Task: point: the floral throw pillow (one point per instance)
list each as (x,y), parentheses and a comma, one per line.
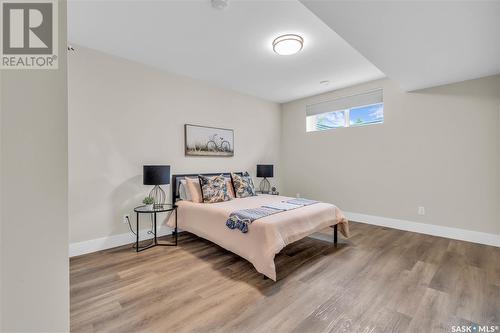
(213,189)
(243,185)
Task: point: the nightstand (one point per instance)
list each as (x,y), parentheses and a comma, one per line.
(158,209)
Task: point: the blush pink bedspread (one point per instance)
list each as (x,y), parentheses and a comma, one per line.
(266,236)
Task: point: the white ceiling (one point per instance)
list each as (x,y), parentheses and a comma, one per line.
(420,44)
(230,48)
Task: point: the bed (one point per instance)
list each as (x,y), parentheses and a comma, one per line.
(267,236)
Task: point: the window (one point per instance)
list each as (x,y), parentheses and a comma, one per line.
(366,115)
(358,110)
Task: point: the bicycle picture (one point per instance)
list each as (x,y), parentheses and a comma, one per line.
(208,141)
(217,143)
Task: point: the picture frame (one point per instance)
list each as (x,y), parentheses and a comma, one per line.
(208,141)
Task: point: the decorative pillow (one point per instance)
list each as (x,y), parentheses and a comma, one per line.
(213,189)
(183,191)
(243,185)
(194,189)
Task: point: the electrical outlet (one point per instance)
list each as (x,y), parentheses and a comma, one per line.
(421,210)
(126,217)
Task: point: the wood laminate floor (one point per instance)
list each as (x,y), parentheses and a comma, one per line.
(380,280)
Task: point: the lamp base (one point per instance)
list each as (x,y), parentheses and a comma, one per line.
(158,196)
(264,186)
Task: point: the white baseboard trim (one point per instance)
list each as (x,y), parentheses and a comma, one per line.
(103,243)
(428,229)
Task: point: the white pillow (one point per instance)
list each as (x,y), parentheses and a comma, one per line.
(183,192)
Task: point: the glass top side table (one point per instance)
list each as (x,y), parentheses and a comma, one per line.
(153,211)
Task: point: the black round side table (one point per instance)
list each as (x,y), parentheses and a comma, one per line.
(157,209)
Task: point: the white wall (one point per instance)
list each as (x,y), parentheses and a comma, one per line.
(438,148)
(34,238)
(123,115)
(1,202)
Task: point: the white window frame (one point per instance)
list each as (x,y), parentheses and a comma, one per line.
(374,96)
(347,117)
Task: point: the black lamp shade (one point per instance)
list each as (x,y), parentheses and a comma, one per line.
(265,170)
(156,174)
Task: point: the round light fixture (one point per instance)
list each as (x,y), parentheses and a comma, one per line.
(220,4)
(288,44)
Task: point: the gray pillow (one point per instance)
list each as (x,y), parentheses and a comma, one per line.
(183,192)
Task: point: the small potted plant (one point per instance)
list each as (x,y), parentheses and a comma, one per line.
(148,202)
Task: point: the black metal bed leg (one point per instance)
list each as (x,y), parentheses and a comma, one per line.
(335,234)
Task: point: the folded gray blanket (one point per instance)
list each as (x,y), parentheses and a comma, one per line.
(241,219)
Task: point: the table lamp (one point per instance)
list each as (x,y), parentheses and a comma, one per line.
(265,171)
(156,175)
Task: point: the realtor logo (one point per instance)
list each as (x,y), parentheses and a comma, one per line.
(29,34)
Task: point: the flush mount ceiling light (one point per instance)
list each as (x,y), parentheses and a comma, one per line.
(288,44)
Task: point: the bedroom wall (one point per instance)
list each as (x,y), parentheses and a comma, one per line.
(438,148)
(34,165)
(1,215)
(123,115)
